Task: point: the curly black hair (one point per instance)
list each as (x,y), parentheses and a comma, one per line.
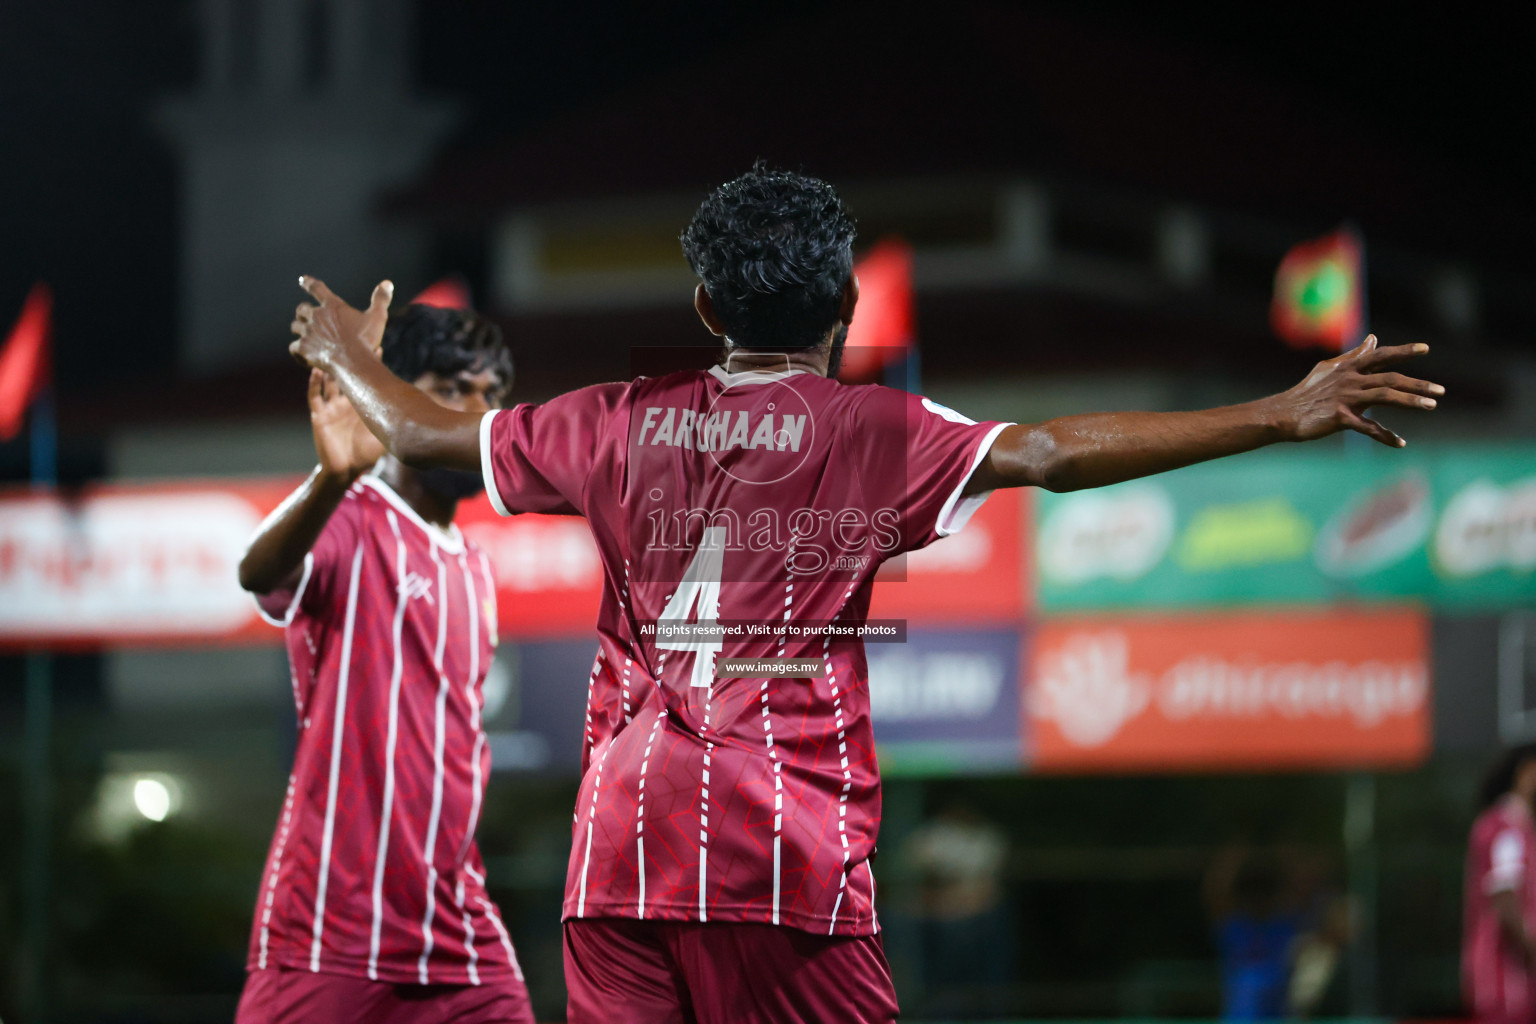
(1500,777)
(774,250)
(427,339)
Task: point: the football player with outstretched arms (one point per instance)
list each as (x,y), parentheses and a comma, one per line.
(719,866)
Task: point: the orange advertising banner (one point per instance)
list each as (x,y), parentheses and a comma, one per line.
(1290,689)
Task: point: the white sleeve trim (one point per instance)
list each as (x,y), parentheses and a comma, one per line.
(958,509)
(486,469)
(293,605)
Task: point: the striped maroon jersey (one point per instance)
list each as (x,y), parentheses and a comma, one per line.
(1497,978)
(373,871)
(765,503)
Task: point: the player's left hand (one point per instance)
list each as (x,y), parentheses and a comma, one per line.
(342,442)
(1338,391)
(327,327)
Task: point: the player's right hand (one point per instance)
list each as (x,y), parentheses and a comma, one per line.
(328,327)
(1338,391)
(345,447)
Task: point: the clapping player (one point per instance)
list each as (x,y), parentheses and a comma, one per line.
(372,906)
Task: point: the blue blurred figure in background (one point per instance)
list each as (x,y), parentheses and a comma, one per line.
(1256,934)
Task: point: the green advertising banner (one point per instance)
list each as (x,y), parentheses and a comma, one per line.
(1453,526)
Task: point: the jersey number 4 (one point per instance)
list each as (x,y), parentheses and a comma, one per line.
(697,601)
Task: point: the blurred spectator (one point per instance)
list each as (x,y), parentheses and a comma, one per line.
(1499,936)
(966,925)
(1257,932)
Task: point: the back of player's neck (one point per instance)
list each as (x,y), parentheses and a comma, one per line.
(744,360)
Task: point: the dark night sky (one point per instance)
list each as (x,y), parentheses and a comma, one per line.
(89,189)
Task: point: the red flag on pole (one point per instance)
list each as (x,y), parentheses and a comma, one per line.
(449,293)
(24,361)
(883,330)
(1320,293)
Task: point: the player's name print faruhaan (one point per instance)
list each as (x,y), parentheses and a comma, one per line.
(719,430)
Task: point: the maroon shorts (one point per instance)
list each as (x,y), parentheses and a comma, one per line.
(619,971)
(283,995)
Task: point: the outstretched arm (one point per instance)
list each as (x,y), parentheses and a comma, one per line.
(343,342)
(1074,452)
(346,450)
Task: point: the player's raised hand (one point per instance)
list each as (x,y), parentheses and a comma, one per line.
(327,326)
(345,447)
(1338,391)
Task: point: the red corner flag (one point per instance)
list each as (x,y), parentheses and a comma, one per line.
(882,331)
(449,293)
(24,361)
(1320,293)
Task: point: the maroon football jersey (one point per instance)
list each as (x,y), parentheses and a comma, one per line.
(763,502)
(373,870)
(1501,857)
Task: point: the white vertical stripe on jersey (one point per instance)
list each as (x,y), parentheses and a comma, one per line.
(874,918)
(387,810)
(439,729)
(640,873)
(489,912)
(469,936)
(474,702)
(773,753)
(628,661)
(277,864)
(474,611)
(501,930)
(842,750)
(287,620)
(586,862)
(330,799)
(597,666)
(645,763)
(704,811)
(597,784)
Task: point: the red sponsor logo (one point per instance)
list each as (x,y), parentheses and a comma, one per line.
(132,564)
(975,576)
(549,577)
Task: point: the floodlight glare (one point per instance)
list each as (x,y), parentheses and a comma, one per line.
(152,798)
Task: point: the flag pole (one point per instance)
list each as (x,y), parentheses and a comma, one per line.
(37,773)
(44,438)
(906,374)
